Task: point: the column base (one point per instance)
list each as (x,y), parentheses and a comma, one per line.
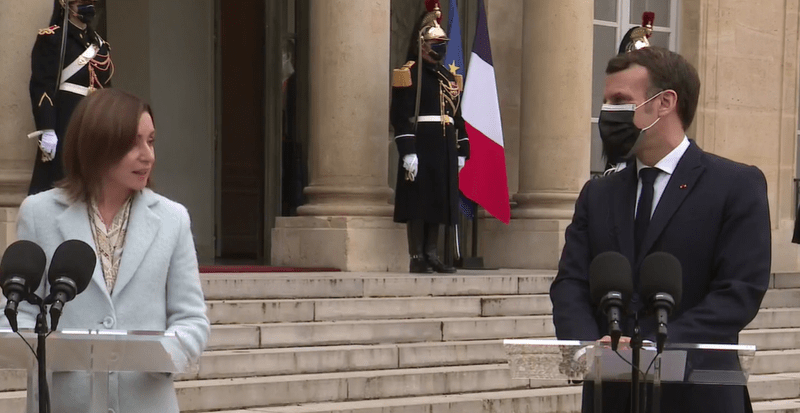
(523,243)
(346,243)
(8,227)
(14,186)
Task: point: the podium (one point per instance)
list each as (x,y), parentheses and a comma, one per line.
(97,352)
(719,364)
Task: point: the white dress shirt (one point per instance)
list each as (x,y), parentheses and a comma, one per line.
(667,165)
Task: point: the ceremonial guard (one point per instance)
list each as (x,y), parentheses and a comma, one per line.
(431,141)
(69,60)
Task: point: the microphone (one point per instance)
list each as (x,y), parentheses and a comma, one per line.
(661,288)
(70,272)
(610,287)
(21,272)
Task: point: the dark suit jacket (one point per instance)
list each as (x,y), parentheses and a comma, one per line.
(714,217)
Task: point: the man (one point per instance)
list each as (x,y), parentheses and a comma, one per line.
(709,212)
(431,141)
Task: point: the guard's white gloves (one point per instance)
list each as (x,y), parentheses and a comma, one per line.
(461,161)
(47,143)
(411,163)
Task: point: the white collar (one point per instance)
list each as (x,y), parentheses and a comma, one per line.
(669,162)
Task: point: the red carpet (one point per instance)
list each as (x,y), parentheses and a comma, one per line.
(260,268)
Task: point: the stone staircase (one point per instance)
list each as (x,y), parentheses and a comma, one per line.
(397,343)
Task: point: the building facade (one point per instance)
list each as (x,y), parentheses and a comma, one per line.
(220,76)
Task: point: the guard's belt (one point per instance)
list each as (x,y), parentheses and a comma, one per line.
(76,89)
(433,118)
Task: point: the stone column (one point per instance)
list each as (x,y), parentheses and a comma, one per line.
(747,58)
(347,221)
(555,130)
(19,30)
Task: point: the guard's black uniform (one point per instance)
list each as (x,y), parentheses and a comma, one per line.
(433,195)
(53,111)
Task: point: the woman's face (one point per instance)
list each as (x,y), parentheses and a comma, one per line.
(132,172)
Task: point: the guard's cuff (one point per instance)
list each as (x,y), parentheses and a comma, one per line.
(39,133)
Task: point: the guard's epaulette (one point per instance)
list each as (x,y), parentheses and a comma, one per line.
(460,82)
(49,30)
(402,77)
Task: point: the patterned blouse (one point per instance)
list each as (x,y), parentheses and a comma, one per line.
(110,240)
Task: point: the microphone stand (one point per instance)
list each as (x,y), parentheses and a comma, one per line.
(41,331)
(636,347)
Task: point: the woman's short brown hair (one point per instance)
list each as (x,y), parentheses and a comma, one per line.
(101,132)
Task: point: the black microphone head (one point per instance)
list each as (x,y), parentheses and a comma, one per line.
(73,259)
(610,271)
(661,273)
(26,260)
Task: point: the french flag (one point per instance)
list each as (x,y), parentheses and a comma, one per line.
(483,179)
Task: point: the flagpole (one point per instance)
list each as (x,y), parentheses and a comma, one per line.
(473,261)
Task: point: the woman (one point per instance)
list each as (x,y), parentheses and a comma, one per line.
(146,276)
(86,67)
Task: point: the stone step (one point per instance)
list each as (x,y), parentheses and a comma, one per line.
(224,286)
(353,285)
(327,359)
(776,361)
(347,386)
(547,400)
(777,406)
(781,298)
(771,338)
(377,331)
(12,401)
(302,334)
(311,360)
(779,386)
(307,360)
(273,311)
(785,280)
(776,318)
(299,310)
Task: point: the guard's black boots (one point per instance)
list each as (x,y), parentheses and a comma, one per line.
(431,254)
(416,241)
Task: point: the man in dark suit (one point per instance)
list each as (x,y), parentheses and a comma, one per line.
(709,212)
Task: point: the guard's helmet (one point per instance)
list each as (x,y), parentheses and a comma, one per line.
(430,28)
(637,37)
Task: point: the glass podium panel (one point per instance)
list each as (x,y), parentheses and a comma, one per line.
(96,350)
(586,360)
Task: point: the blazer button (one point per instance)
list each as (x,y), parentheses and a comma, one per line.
(108,322)
(635,298)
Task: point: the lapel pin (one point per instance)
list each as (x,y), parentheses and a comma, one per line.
(684,186)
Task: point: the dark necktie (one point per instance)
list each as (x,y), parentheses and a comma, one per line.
(648,176)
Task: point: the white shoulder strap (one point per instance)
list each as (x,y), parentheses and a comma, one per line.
(80,62)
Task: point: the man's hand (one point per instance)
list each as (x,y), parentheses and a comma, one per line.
(411,164)
(461,161)
(622,340)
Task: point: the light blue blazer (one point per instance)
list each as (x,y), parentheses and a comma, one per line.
(157,288)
